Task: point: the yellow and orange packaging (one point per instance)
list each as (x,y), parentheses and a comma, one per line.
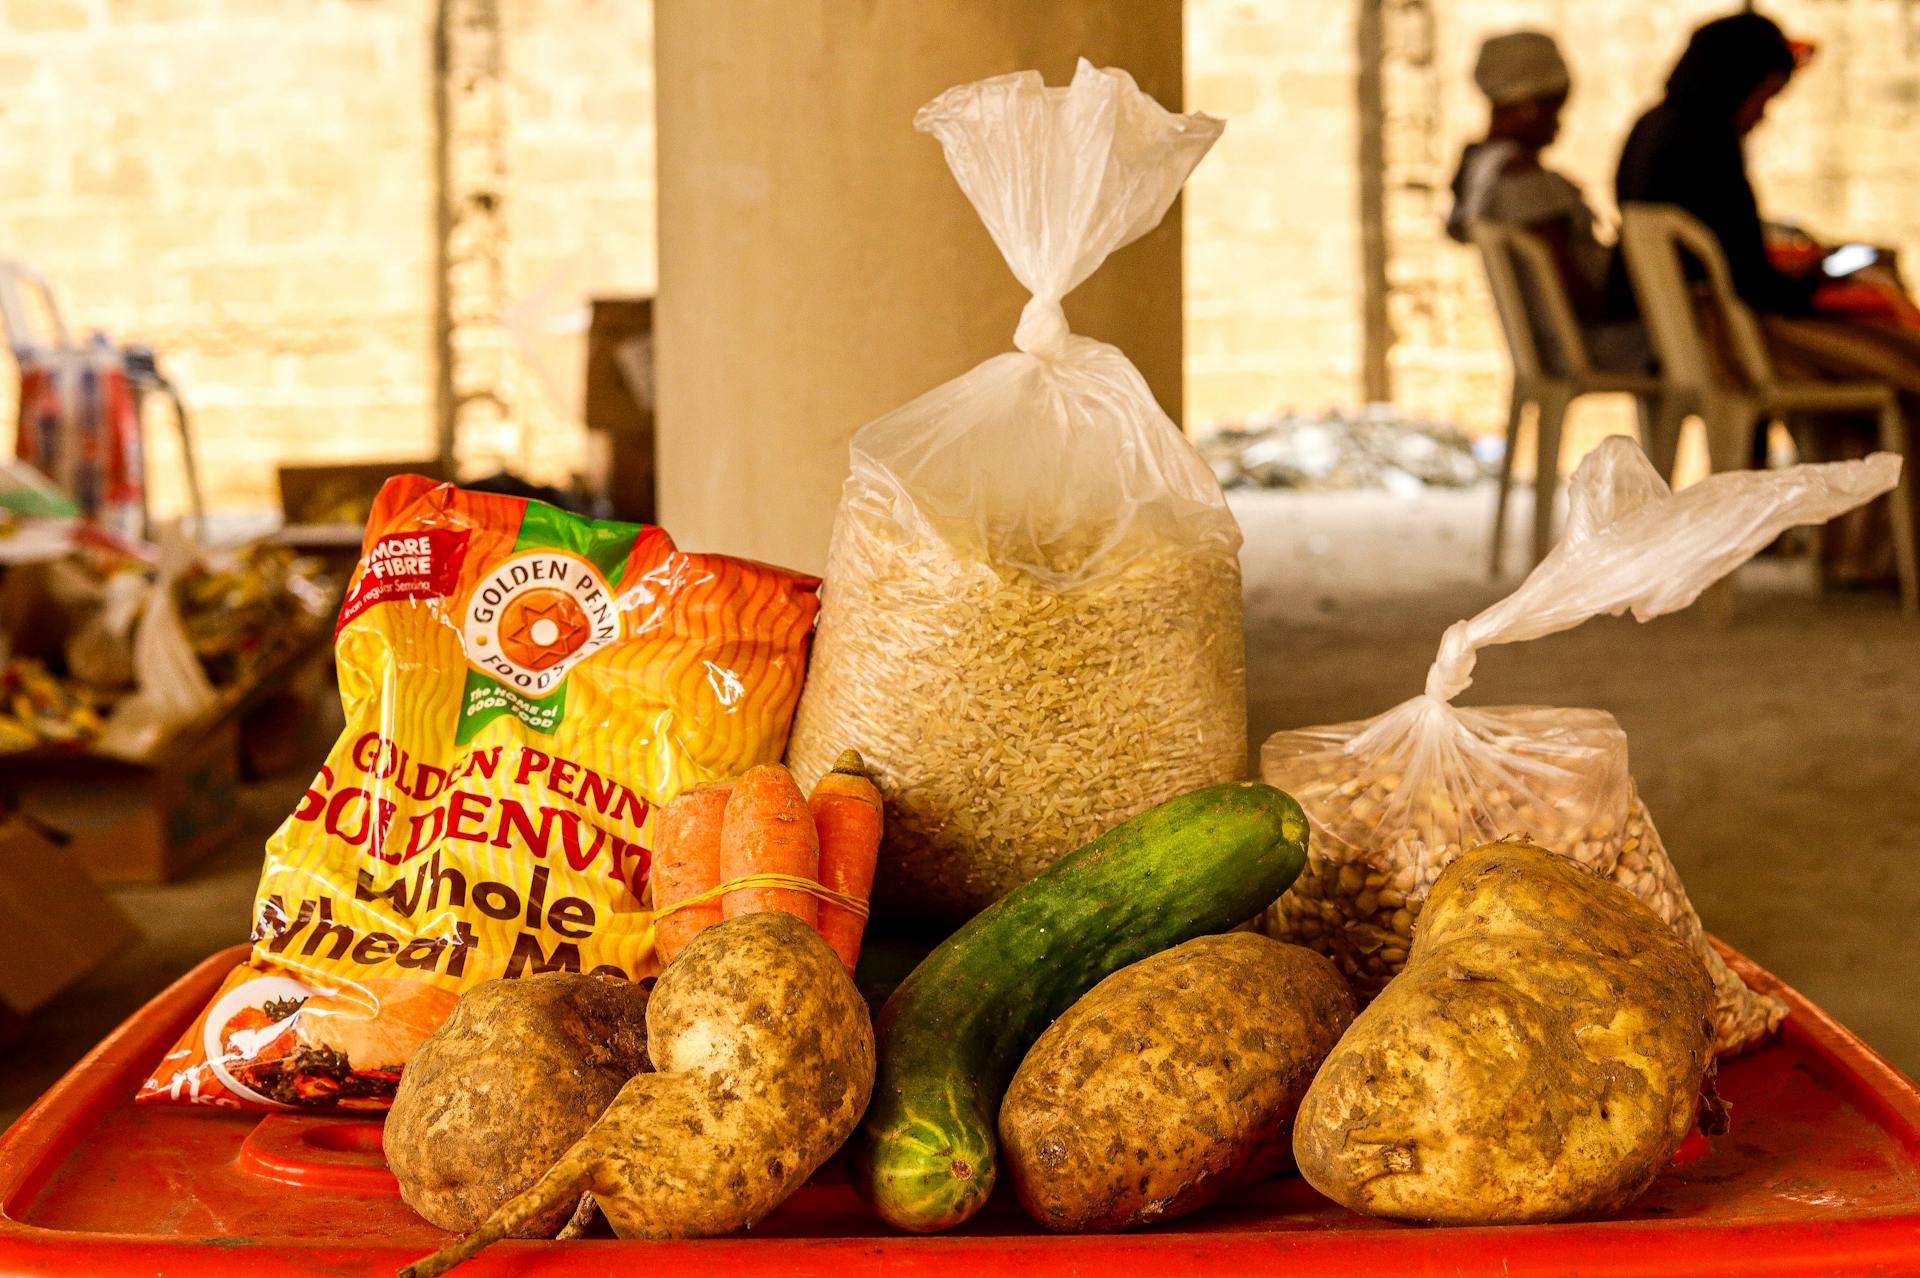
(523,689)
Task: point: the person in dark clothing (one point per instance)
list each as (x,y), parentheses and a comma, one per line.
(1688,151)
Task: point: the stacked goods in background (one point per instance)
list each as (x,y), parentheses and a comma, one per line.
(113,645)
(140,682)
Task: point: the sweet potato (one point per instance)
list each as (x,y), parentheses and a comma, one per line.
(1539,1058)
(765,1058)
(1170,1083)
(516,1074)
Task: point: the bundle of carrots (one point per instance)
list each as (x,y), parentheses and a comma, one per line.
(809,856)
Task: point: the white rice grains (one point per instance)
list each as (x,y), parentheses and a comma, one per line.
(1009,722)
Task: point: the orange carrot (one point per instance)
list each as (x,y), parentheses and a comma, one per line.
(847,813)
(686,862)
(769,831)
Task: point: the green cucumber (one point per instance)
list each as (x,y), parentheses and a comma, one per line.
(954,1032)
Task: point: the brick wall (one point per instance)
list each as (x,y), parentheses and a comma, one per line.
(237,182)
(580,210)
(247,185)
(1272,241)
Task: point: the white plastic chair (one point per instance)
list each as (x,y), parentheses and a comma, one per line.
(1531,298)
(1654,237)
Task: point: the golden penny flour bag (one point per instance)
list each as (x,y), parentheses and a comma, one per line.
(523,688)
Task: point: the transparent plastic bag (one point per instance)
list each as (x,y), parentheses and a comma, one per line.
(1394,799)
(171,688)
(1031,618)
(99,652)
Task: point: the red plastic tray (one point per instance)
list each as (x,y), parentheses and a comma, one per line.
(1820,1175)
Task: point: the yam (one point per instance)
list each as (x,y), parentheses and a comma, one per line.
(515,1075)
(765,1058)
(1170,1083)
(1540,1057)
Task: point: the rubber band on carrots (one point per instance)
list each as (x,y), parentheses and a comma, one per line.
(787,882)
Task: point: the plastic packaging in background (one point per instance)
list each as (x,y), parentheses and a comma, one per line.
(1395,798)
(171,688)
(522,688)
(28,494)
(79,422)
(1031,622)
(99,652)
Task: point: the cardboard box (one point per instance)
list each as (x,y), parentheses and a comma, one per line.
(342,492)
(55,925)
(32,622)
(325,507)
(137,823)
(148,821)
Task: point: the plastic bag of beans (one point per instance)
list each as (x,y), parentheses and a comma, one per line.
(1394,799)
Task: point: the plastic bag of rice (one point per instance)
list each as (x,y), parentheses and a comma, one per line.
(1031,618)
(1394,799)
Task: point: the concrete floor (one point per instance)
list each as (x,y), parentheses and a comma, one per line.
(1780,757)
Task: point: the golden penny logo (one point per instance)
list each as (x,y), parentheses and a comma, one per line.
(542,627)
(536,616)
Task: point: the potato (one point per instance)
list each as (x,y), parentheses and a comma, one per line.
(1170,1082)
(1540,1057)
(518,1072)
(765,1058)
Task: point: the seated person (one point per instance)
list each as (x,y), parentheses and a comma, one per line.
(1689,151)
(1501,179)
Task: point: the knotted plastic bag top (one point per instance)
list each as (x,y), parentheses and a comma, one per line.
(1063,177)
(1053,459)
(1630,543)
(1633,543)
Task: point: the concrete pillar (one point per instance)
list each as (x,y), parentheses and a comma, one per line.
(818,264)
(1376,323)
